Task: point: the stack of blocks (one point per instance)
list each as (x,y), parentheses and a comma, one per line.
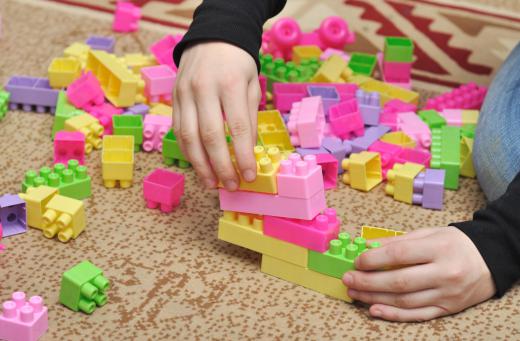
(396,62)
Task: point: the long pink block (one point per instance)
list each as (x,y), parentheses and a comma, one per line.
(126,17)
(23,320)
(414,127)
(345,120)
(163,188)
(306,123)
(312,234)
(388,153)
(468,96)
(419,156)
(272,204)
(299,178)
(163,49)
(453,116)
(155,127)
(388,116)
(85,91)
(69,145)
(159,81)
(104,113)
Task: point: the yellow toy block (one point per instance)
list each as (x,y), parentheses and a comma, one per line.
(470,116)
(400,181)
(363,170)
(122,88)
(388,92)
(399,138)
(245,230)
(117,160)
(303,52)
(359,79)
(309,279)
(370,232)
(137,61)
(89,126)
(333,70)
(78,51)
(466,157)
(36,198)
(161,109)
(64,216)
(272,131)
(63,71)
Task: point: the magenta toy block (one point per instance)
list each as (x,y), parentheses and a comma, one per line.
(428,189)
(412,125)
(272,204)
(159,81)
(312,234)
(397,72)
(13,215)
(299,178)
(419,156)
(31,94)
(163,49)
(329,95)
(101,43)
(23,320)
(163,188)
(69,145)
(138,109)
(371,135)
(329,167)
(388,153)
(104,113)
(346,90)
(263,89)
(306,123)
(126,17)
(369,106)
(335,147)
(345,119)
(393,107)
(468,96)
(85,91)
(155,127)
(331,52)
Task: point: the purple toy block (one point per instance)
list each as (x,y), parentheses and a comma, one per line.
(329,168)
(101,43)
(336,148)
(372,134)
(369,106)
(31,94)
(328,94)
(138,109)
(13,216)
(428,188)
(311,151)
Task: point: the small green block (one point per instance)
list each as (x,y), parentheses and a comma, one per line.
(432,119)
(445,151)
(72,180)
(172,152)
(129,125)
(279,71)
(64,111)
(83,287)
(362,63)
(4,101)
(398,49)
(468,130)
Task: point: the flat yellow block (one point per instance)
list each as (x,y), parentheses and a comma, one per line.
(36,198)
(137,61)
(466,157)
(117,160)
(399,138)
(89,126)
(161,109)
(363,170)
(400,181)
(303,52)
(309,279)
(333,70)
(388,92)
(63,71)
(272,131)
(470,116)
(65,217)
(79,51)
(370,232)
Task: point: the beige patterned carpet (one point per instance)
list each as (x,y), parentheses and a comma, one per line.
(171,278)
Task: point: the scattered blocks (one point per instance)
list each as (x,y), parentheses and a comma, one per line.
(31,94)
(163,49)
(163,189)
(299,178)
(401,181)
(335,147)
(272,132)
(136,61)
(4,100)
(154,129)
(393,107)
(104,114)
(63,71)
(64,111)
(13,215)
(69,145)
(23,320)
(278,71)
(329,167)
(428,189)
(362,63)
(410,124)
(77,51)
(329,95)
(370,232)
(172,153)
(446,154)
(468,96)
(372,134)
(88,126)
(333,70)
(126,17)
(307,123)
(85,91)
(159,81)
(117,161)
(36,199)
(129,125)
(363,171)
(398,49)
(369,106)
(388,153)
(65,217)
(345,119)
(101,43)
(389,92)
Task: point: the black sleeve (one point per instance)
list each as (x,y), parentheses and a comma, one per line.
(495,231)
(238,22)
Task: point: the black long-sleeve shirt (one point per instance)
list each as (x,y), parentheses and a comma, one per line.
(495,230)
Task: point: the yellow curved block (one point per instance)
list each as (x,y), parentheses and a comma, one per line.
(89,126)
(64,217)
(362,170)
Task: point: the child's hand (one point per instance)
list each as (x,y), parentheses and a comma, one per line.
(216,77)
(443,274)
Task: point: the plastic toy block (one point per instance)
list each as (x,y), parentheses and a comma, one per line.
(23,320)
(468,96)
(122,88)
(329,168)
(36,199)
(31,94)
(129,125)
(262,80)
(163,189)
(470,117)
(64,111)
(158,83)
(371,232)
(332,70)
(458,117)
(446,154)
(307,123)
(388,92)
(117,161)
(369,106)
(101,43)
(154,129)
(428,189)
(104,114)
(163,49)
(329,95)
(272,204)
(172,153)
(396,72)
(388,154)
(304,277)
(13,215)
(136,61)
(77,51)
(65,217)
(330,51)
(69,145)
(345,119)
(63,71)
(302,52)
(419,156)
(246,230)
(311,151)
(399,139)
(335,147)
(4,100)
(371,135)
(89,126)
(410,124)
(85,91)
(398,49)
(401,179)
(363,171)
(466,159)
(390,110)
(126,17)
(272,132)
(468,130)
(138,109)
(432,118)
(83,288)
(299,178)
(362,63)
(161,109)
(278,71)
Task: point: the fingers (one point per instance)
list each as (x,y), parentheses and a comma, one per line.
(391,313)
(408,300)
(254,96)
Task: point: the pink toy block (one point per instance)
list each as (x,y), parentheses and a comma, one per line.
(306,123)
(414,127)
(126,17)
(393,107)
(331,52)
(69,145)
(312,234)
(417,155)
(453,117)
(104,113)
(163,49)
(329,167)
(159,81)
(395,73)
(163,188)
(263,88)
(345,119)
(299,178)
(85,91)
(468,96)
(23,320)
(388,153)
(272,204)
(155,127)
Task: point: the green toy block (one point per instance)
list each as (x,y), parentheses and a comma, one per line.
(432,119)
(129,125)
(4,101)
(362,63)
(172,152)
(445,151)
(71,181)
(279,71)
(398,49)
(64,111)
(83,287)
(468,130)
(340,256)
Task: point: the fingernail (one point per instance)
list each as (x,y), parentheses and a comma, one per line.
(352,293)
(376,313)
(249,175)
(348,280)
(231,185)
(209,183)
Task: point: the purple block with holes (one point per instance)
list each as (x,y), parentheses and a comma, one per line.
(101,43)
(13,216)
(311,151)
(31,94)
(369,106)
(428,189)
(138,109)
(372,134)
(328,94)
(336,148)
